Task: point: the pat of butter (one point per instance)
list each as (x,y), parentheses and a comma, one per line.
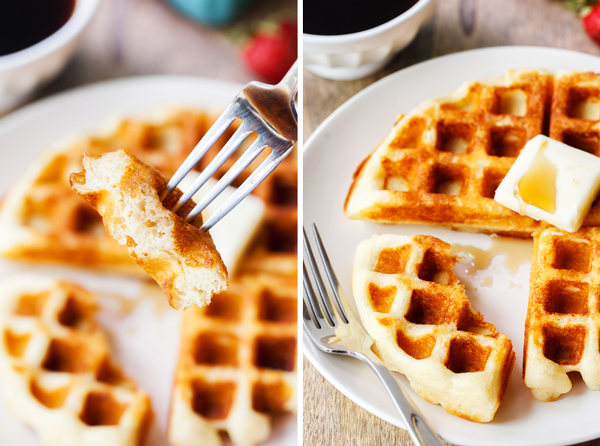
(551,181)
(236,230)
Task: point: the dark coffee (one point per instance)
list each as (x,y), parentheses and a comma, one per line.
(336,17)
(24,23)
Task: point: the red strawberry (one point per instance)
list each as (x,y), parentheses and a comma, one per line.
(271,54)
(591,22)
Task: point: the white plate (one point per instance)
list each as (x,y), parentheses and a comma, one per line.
(331,156)
(144,332)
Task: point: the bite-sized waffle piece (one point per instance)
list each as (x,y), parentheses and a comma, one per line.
(575,118)
(56,369)
(412,305)
(43,220)
(441,163)
(237,362)
(563,318)
(180,257)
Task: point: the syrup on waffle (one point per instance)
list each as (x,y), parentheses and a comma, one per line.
(442,162)
(42,219)
(412,305)
(56,368)
(237,364)
(563,320)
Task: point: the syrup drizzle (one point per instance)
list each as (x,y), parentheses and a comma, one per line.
(515,253)
(538,185)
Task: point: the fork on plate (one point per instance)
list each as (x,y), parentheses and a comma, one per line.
(329,321)
(267,110)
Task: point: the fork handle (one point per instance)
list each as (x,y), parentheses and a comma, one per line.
(421,432)
(289,82)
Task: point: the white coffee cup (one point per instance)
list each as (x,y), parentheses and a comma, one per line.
(356,55)
(23,71)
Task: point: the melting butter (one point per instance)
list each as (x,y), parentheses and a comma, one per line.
(551,181)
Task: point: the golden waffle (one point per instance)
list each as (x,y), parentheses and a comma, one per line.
(237,362)
(56,368)
(180,257)
(563,317)
(275,249)
(576,118)
(412,305)
(442,162)
(42,219)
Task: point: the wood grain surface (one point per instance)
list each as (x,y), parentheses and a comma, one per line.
(147,37)
(331,419)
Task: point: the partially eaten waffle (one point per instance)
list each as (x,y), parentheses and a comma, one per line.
(412,305)
(43,220)
(56,369)
(563,317)
(442,162)
(237,363)
(180,257)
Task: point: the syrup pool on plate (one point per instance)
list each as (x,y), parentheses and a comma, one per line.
(24,23)
(337,17)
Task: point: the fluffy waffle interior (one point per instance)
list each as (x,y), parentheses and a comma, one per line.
(43,220)
(412,305)
(56,368)
(237,364)
(442,162)
(563,320)
(180,257)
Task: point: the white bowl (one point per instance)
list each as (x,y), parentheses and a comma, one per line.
(356,55)
(23,71)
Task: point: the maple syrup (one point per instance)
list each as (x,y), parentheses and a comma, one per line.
(538,185)
(24,23)
(516,252)
(338,17)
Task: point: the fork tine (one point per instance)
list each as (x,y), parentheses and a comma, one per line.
(311,298)
(333,280)
(209,140)
(267,166)
(240,135)
(305,312)
(249,155)
(324,297)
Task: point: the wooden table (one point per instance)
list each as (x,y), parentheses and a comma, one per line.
(330,418)
(147,37)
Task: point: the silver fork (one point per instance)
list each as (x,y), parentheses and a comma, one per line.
(326,323)
(267,110)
